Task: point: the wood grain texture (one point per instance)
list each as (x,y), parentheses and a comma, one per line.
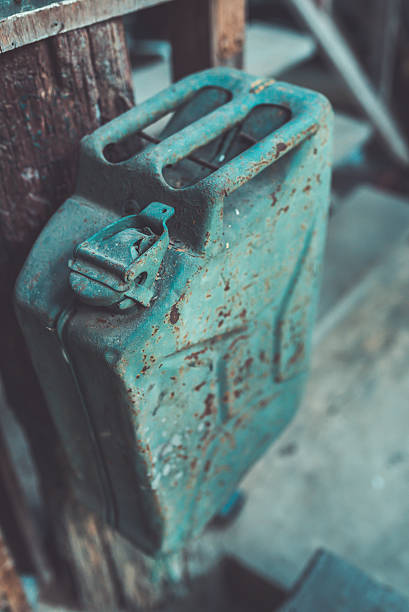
(12,597)
(109,572)
(52,93)
(28,25)
(206,33)
(16,519)
(228,20)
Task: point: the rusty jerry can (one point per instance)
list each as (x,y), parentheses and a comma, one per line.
(168,304)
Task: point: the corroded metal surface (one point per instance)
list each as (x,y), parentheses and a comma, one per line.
(162,409)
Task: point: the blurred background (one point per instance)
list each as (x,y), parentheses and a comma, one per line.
(339,476)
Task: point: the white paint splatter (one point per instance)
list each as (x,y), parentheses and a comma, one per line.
(176,440)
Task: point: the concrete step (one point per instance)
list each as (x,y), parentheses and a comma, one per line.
(365,227)
(338,477)
(270,50)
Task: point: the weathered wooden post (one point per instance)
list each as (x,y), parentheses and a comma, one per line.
(207,33)
(62,75)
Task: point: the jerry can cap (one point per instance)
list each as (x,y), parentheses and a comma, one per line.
(118,265)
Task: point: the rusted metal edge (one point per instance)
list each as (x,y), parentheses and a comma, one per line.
(30,26)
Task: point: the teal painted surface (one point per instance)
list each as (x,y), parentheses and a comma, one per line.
(118,265)
(163,407)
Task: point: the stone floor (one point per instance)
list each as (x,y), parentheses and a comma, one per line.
(339,476)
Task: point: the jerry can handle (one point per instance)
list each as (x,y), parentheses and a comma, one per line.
(204,199)
(304,121)
(139,117)
(306,109)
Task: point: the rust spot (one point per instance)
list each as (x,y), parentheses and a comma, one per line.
(232,345)
(207,465)
(209,406)
(196,354)
(239,421)
(263,356)
(248,362)
(174,314)
(200,385)
(274,199)
(298,353)
(307,189)
(243,313)
(193,463)
(227,285)
(281,146)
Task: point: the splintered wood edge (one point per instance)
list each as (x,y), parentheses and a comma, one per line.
(30,26)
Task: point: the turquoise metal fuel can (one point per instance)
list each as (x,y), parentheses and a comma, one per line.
(168,304)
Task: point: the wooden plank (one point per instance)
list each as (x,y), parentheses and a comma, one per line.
(27,25)
(343,59)
(12,596)
(52,93)
(206,33)
(110,573)
(228,20)
(17,520)
(384,32)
